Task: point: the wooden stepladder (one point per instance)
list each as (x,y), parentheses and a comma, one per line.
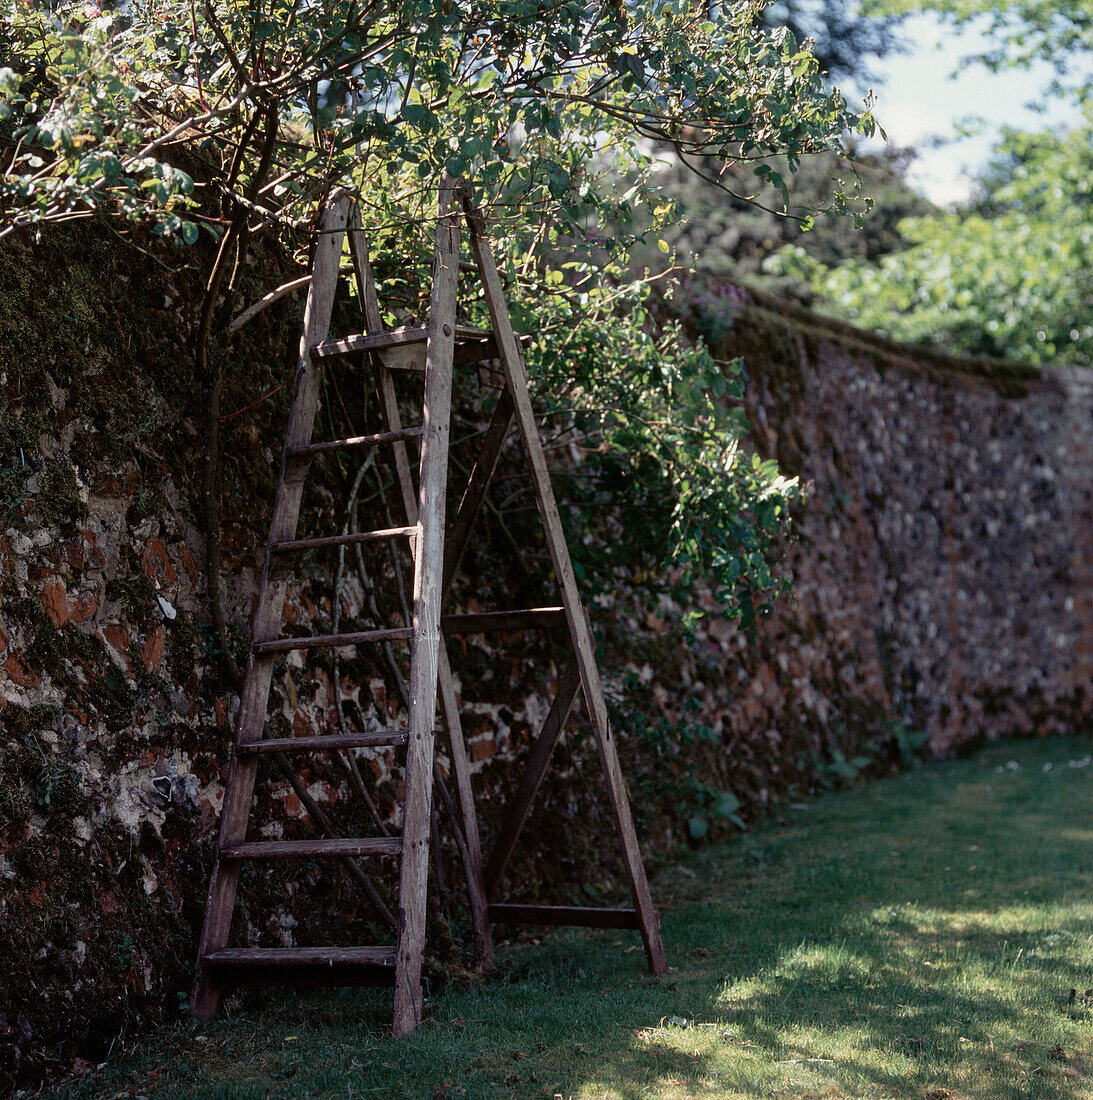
(437,548)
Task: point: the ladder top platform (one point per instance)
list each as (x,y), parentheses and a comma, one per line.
(389,338)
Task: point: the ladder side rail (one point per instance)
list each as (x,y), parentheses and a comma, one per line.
(428,576)
(579,628)
(250,724)
(449,704)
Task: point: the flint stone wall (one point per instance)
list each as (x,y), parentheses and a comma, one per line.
(948,539)
(943,582)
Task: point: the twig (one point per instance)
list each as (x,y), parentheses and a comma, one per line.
(273,296)
(255,402)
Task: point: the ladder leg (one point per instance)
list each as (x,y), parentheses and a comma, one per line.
(428,577)
(223,883)
(580,632)
(267,618)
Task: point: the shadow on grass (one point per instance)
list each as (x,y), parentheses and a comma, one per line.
(912,939)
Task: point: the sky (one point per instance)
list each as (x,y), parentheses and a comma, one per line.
(919,100)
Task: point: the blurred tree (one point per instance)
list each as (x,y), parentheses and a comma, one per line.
(1010,273)
(846,39)
(727,237)
(734,216)
(1020,31)
(1010,276)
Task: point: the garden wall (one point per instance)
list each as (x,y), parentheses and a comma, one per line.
(945,561)
(943,579)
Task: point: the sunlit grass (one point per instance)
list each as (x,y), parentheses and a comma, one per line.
(917,938)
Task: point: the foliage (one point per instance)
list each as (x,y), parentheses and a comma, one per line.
(101,101)
(656,477)
(233,119)
(715,804)
(1009,277)
(658,425)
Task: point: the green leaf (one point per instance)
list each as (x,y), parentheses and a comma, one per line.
(726,804)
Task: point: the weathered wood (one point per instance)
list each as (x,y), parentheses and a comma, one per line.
(475,351)
(350,966)
(371,341)
(410,358)
(350,539)
(474,495)
(390,338)
(366,291)
(301,956)
(428,577)
(486,622)
(436,346)
(305,849)
(407,359)
(329,641)
(271,595)
(517,811)
(356,441)
(512,364)
(331,742)
(565,915)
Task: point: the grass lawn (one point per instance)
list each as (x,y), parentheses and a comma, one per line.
(918,937)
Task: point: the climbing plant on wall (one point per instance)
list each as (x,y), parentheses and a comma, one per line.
(229,120)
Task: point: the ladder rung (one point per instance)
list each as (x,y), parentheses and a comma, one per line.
(390,338)
(355,441)
(341,540)
(564,915)
(324,641)
(301,956)
(302,966)
(302,849)
(371,341)
(331,742)
(481,622)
